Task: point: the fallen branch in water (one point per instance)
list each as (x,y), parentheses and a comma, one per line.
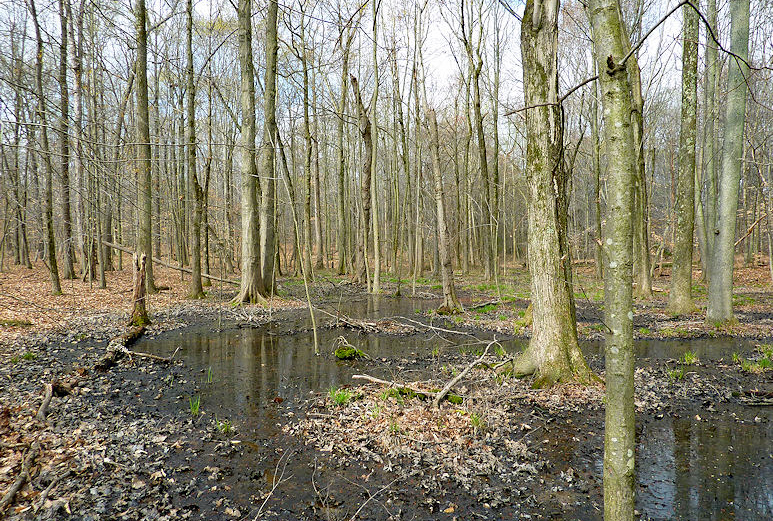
(442,394)
(23,476)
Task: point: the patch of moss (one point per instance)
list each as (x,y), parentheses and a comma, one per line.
(348,352)
(15,323)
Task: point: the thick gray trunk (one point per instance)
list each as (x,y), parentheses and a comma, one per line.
(720,307)
(252,288)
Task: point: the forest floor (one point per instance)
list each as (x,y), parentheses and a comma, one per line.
(123,443)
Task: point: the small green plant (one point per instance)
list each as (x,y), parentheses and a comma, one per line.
(194,402)
(394,429)
(340,396)
(676,375)
(15,359)
(737,358)
(499,350)
(435,352)
(224,426)
(766,350)
(375,412)
(477,422)
(765,363)
(644,331)
(689,358)
(29,355)
(210,376)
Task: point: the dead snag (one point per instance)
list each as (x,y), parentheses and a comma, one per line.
(139,313)
(24,475)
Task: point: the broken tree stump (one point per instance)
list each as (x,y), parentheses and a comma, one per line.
(139,316)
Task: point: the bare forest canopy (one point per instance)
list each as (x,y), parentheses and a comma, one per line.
(140,124)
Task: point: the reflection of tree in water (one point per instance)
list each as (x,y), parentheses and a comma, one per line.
(706,470)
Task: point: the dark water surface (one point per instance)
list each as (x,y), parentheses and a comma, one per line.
(687,469)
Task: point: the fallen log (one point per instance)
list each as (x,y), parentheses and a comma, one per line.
(23,476)
(171,266)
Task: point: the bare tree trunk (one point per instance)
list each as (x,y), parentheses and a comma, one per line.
(68,270)
(712,79)
(553,354)
(56,287)
(720,306)
(680,298)
(195,291)
(252,288)
(596,143)
(144,192)
(475,61)
(365,131)
(376,285)
(268,153)
(342,109)
(619,424)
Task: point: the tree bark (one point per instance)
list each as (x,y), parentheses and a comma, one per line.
(68,269)
(53,269)
(365,131)
(553,354)
(680,298)
(252,288)
(139,316)
(144,192)
(268,153)
(619,425)
(720,306)
(195,291)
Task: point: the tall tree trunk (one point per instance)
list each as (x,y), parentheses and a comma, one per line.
(195,290)
(376,285)
(252,288)
(68,270)
(720,306)
(475,62)
(641,241)
(56,287)
(619,424)
(267,154)
(365,131)
(553,354)
(144,192)
(712,79)
(680,298)
(341,161)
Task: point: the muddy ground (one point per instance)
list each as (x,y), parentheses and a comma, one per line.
(124,444)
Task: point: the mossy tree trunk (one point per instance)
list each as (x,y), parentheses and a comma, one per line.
(720,308)
(610,46)
(680,298)
(553,353)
